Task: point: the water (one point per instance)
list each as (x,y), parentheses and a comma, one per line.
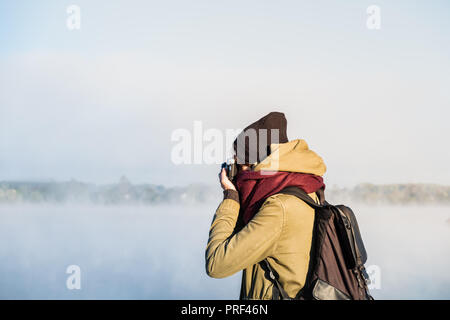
(411,245)
(158,252)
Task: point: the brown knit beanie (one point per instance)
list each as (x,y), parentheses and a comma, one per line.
(253,143)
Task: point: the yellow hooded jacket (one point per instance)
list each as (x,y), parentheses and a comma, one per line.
(281,230)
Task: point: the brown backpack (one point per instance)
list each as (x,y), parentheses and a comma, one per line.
(336,268)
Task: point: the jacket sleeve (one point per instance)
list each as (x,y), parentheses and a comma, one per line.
(228,253)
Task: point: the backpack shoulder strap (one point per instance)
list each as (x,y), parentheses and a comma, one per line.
(302,195)
(277,284)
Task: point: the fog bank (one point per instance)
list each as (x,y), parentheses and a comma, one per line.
(158,252)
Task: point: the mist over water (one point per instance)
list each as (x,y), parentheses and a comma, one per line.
(157,252)
(411,244)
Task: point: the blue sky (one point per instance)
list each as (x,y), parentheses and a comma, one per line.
(99,102)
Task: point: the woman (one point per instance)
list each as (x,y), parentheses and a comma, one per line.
(255,222)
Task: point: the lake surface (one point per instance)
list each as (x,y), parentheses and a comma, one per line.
(158,252)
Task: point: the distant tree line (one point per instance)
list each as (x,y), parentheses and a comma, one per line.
(391,194)
(124,192)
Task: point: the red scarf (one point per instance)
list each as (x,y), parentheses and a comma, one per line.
(255,187)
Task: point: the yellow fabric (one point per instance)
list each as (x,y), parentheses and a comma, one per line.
(293,156)
(281,231)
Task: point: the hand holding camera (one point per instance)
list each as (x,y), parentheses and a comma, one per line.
(227,174)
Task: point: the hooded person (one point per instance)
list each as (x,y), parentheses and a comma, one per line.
(255,222)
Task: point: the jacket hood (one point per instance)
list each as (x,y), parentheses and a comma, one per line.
(292,156)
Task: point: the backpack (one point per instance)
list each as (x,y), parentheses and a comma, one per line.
(336,267)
